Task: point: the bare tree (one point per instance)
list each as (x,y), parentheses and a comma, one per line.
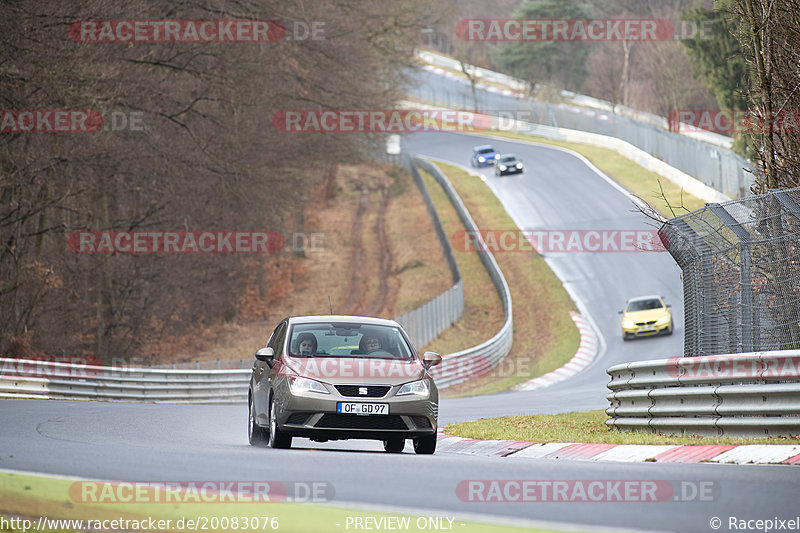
(207,158)
(770,33)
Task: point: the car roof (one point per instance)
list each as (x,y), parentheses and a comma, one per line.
(372,321)
(483,147)
(642,298)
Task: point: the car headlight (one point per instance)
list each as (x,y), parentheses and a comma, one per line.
(519,165)
(497,156)
(663,320)
(417,388)
(481,159)
(298,385)
(627,323)
(502,167)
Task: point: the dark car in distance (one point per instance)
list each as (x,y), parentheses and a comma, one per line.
(507,164)
(334,377)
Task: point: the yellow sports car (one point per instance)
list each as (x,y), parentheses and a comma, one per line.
(646,316)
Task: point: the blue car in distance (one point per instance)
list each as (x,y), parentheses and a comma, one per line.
(483,156)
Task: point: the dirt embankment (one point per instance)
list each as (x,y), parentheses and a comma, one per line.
(369,246)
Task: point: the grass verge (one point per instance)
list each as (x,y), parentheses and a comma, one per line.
(545,337)
(586,427)
(28,497)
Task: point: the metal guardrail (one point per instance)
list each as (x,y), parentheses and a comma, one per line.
(51,380)
(743,395)
(460,366)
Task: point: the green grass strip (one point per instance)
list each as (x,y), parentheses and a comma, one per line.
(24,496)
(586,427)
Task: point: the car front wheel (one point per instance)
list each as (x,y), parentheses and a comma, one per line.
(277,438)
(425,445)
(255,433)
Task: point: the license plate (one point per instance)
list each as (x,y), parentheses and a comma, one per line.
(646,328)
(351,408)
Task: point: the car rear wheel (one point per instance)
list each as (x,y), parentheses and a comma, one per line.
(425,445)
(255,433)
(394,445)
(277,438)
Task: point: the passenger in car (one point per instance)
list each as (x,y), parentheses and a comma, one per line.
(306,344)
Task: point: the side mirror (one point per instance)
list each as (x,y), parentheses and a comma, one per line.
(431,359)
(619,312)
(669,305)
(266,354)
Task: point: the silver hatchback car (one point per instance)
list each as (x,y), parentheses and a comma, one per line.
(343,377)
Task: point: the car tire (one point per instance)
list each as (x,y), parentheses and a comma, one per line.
(626,337)
(277,438)
(256,435)
(425,445)
(394,445)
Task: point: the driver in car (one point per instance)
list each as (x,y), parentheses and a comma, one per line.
(372,344)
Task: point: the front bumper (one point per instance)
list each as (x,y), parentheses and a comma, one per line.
(646,330)
(509,170)
(317,417)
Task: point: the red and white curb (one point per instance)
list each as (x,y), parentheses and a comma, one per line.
(587,350)
(788,454)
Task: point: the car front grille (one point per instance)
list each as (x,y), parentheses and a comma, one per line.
(338,421)
(646,323)
(373,391)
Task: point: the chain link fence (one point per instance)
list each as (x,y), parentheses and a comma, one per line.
(741,273)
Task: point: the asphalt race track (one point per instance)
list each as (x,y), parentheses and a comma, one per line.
(558,191)
(144,442)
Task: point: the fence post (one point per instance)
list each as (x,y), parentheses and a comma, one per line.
(745,321)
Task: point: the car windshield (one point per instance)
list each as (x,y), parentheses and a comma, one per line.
(644,305)
(326,339)
(485,151)
(508,159)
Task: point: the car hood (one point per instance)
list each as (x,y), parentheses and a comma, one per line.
(646,315)
(352,370)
